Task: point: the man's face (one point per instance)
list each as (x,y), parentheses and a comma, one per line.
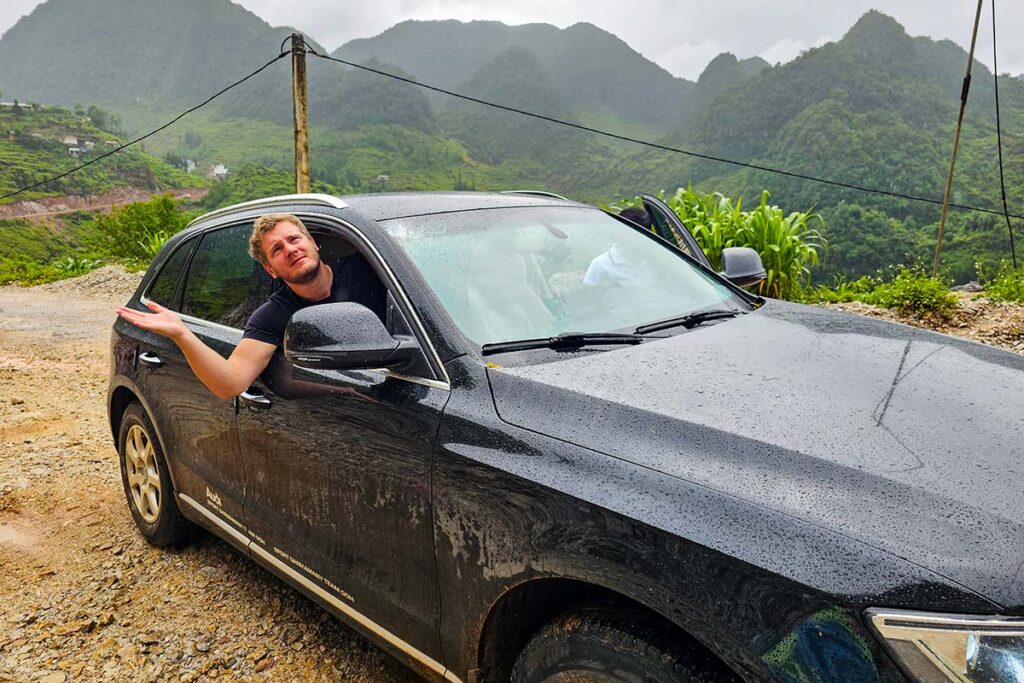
(290,254)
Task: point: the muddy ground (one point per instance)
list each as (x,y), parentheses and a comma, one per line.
(85,598)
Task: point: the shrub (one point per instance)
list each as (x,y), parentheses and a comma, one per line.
(841,290)
(912,291)
(1007,284)
(129,232)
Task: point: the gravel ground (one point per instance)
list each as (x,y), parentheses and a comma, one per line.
(85,598)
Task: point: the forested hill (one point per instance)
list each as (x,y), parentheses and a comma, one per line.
(41,142)
(591,68)
(113,52)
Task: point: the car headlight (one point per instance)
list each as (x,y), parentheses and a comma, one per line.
(939,648)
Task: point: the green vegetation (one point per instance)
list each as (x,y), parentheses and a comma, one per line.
(906,289)
(135,232)
(1005,284)
(130,235)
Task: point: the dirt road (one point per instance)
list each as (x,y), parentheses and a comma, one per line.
(84,598)
(48,207)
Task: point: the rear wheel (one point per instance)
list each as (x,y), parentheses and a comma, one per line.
(602,646)
(147,482)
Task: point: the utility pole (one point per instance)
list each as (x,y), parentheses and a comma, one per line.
(301,113)
(956,144)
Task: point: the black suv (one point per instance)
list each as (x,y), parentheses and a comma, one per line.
(566,450)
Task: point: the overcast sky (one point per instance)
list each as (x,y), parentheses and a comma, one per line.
(680,35)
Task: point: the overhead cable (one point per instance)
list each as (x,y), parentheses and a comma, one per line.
(147,135)
(999,138)
(654,145)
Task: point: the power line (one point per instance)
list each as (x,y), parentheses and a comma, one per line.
(999,137)
(149,134)
(654,145)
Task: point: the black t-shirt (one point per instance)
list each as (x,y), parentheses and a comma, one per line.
(354,280)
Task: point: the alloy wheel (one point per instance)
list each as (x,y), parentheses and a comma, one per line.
(143,473)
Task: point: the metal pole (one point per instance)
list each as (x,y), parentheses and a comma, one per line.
(301,113)
(956,144)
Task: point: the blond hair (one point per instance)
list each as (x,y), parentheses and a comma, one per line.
(265,224)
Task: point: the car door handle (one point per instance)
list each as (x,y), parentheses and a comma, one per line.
(150,360)
(254,400)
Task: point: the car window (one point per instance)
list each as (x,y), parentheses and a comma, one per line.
(223,283)
(166,283)
(531,272)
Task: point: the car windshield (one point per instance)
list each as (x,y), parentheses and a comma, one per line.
(534,272)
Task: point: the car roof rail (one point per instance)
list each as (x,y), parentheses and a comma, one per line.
(538,193)
(280,200)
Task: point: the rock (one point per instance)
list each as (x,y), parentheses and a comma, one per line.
(17,401)
(203,646)
(264,665)
(128,652)
(55,677)
(149,638)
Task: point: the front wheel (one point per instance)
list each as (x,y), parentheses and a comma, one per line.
(603,646)
(147,481)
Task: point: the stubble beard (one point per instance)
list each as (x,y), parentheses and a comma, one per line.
(308,276)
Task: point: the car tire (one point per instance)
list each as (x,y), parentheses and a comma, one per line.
(147,481)
(602,646)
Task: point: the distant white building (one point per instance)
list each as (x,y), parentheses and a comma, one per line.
(12,105)
(217,172)
(190,166)
(69,140)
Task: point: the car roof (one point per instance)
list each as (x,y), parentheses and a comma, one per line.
(392,205)
(386,206)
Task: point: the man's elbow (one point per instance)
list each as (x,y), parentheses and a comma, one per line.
(226,393)
(227,390)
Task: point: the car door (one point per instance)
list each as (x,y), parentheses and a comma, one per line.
(198,428)
(339,496)
(667,224)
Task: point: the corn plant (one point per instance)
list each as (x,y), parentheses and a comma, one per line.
(788,246)
(152,241)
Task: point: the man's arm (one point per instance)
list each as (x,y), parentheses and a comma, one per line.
(225,377)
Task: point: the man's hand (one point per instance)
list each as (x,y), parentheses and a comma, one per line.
(162,321)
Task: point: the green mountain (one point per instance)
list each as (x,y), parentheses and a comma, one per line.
(591,68)
(119,54)
(113,52)
(516,78)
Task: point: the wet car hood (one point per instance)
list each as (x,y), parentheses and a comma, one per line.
(909,441)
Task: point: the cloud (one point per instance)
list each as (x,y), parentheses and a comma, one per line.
(688,60)
(788,49)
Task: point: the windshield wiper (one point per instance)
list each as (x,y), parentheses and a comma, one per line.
(565,341)
(688,321)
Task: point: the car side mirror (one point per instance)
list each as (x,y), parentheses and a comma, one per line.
(344,336)
(742,266)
